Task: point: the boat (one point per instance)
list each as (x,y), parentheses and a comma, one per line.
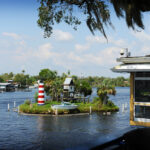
(64,105)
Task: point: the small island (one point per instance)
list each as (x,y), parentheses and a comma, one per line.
(96,106)
(73,90)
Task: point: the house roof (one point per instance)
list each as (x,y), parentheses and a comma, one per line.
(132,68)
(68,81)
(134,60)
(4,84)
(133,64)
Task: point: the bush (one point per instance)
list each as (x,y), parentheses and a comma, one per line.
(110,104)
(95,99)
(36,97)
(27,102)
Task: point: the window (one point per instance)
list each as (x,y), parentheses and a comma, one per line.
(142,90)
(142,112)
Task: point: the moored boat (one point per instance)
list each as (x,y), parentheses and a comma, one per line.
(65,105)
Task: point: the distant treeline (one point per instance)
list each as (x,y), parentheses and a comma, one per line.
(118,81)
(46,74)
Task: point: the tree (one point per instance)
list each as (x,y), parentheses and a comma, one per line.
(23,71)
(51,12)
(21,79)
(102,93)
(97,13)
(132,9)
(83,87)
(47,74)
(54,88)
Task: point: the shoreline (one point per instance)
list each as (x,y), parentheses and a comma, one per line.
(52,115)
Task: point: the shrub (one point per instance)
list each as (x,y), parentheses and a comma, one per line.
(27,102)
(110,104)
(36,97)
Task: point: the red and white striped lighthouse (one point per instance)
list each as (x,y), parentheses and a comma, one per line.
(41,94)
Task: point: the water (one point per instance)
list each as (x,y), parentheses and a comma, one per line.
(59,132)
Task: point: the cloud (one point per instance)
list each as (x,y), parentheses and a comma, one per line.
(96,39)
(80,47)
(62,36)
(142,36)
(12,35)
(44,51)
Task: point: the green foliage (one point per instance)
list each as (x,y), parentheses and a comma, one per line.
(82,108)
(96,81)
(27,102)
(83,87)
(47,74)
(110,104)
(95,12)
(132,11)
(103,91)
(21,79)
(51,12)
(54,88)
(36,97)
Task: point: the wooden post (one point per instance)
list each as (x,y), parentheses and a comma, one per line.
(8,107)
(132,96)
(56,112)
(123,108)
(18,109)
(14,104)
(90,109)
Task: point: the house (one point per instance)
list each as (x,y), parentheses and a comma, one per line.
(7,87)
(68,87)
(139,69)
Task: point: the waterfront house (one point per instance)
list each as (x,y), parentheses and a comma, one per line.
(68,87)
(7,87)
(139,69)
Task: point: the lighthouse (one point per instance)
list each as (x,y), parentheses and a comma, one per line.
(41,94)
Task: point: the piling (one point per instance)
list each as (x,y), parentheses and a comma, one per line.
(90,109)
(56,112)
(18,109)
(8,107)
(14,104)
(108,113)
(104,113)
(123,108)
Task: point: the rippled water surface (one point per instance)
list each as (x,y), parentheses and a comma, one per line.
(59,132)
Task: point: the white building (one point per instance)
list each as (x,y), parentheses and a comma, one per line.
(68,86)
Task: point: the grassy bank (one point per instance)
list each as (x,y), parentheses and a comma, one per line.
(82,108)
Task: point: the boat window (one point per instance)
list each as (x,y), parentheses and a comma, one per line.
(142,74)
(142,90)
(142,112)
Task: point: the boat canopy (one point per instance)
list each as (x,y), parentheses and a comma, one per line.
(131,68)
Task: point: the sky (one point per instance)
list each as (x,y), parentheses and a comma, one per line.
(23,47)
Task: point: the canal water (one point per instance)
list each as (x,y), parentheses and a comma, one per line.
(60,132)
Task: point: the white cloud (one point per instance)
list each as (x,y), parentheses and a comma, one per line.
(143,36)
(62,36)
(96,39)
(80,47)
(12,35)
(44,51)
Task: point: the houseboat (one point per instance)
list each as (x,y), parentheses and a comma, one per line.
(139,69)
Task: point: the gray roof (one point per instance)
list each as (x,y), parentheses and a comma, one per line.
(134,60)
(133,64)
(131,68)
(4,84)
(67,81)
